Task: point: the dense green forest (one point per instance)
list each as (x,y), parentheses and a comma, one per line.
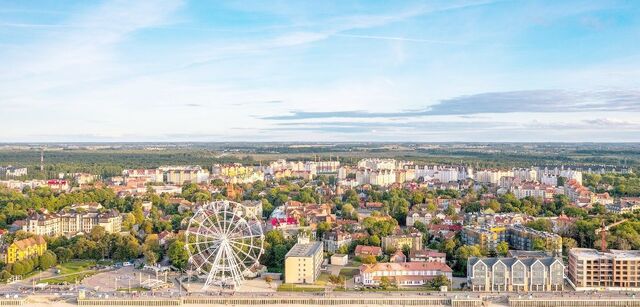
(113,159)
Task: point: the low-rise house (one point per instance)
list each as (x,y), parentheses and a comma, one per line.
(398,257)
(427,255)
(364,250)
(443,231)
(402,274)
(339,259)
(23,249)
(312,213)
(183,204)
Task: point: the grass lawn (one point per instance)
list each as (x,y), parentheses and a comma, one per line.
(323,279)
(349,273)
(298,288)
(71,271)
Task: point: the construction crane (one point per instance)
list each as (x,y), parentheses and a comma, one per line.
(603,233)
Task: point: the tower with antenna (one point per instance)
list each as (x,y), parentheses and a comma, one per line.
(42,159)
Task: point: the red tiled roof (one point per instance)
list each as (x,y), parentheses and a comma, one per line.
(406,266)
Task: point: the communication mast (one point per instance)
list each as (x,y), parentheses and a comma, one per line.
(42,159)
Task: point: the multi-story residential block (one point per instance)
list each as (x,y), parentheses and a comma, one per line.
(491,176)
(553,174)
(148,175)
(283,169)
(402,274)
(19,185)
(381,177)
(518,237)
(515,274)
(327,167)
(378,164)
(72,222)
(486,238)
(236,173)
(427,255)
(625,205)
(582,196)
(302,263)
(525,174)
(524,238)
(58,184)
(496,219)
(590,269)
(335,239)
(23,249)
(13,171)
(181,174)
(532,189)
(548,179)
(441,173)
(398,242)
(418,214)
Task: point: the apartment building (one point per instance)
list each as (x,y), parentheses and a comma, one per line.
(302,263)
(147,175)
(625,205)
(402,274)
(282,168)
(440,173)
(335,239)
(418,214)
(427,255)
(381,177)
(377,164)
(524,238)
(491,176)
(496,219)
(486,238)
(181,174)
(525,174)
(518,236)
(13,171)
(236,173)
(398,242)
(72,222)
(515,274)
(23,249)
(590,269)
(532,189)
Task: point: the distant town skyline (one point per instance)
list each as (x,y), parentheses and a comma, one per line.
(415,71)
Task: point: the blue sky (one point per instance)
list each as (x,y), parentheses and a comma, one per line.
(320,70)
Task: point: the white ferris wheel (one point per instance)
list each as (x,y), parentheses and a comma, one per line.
(223,243)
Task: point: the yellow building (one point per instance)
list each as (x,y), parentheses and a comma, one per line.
(302,263)
(398,242)
(26,248)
